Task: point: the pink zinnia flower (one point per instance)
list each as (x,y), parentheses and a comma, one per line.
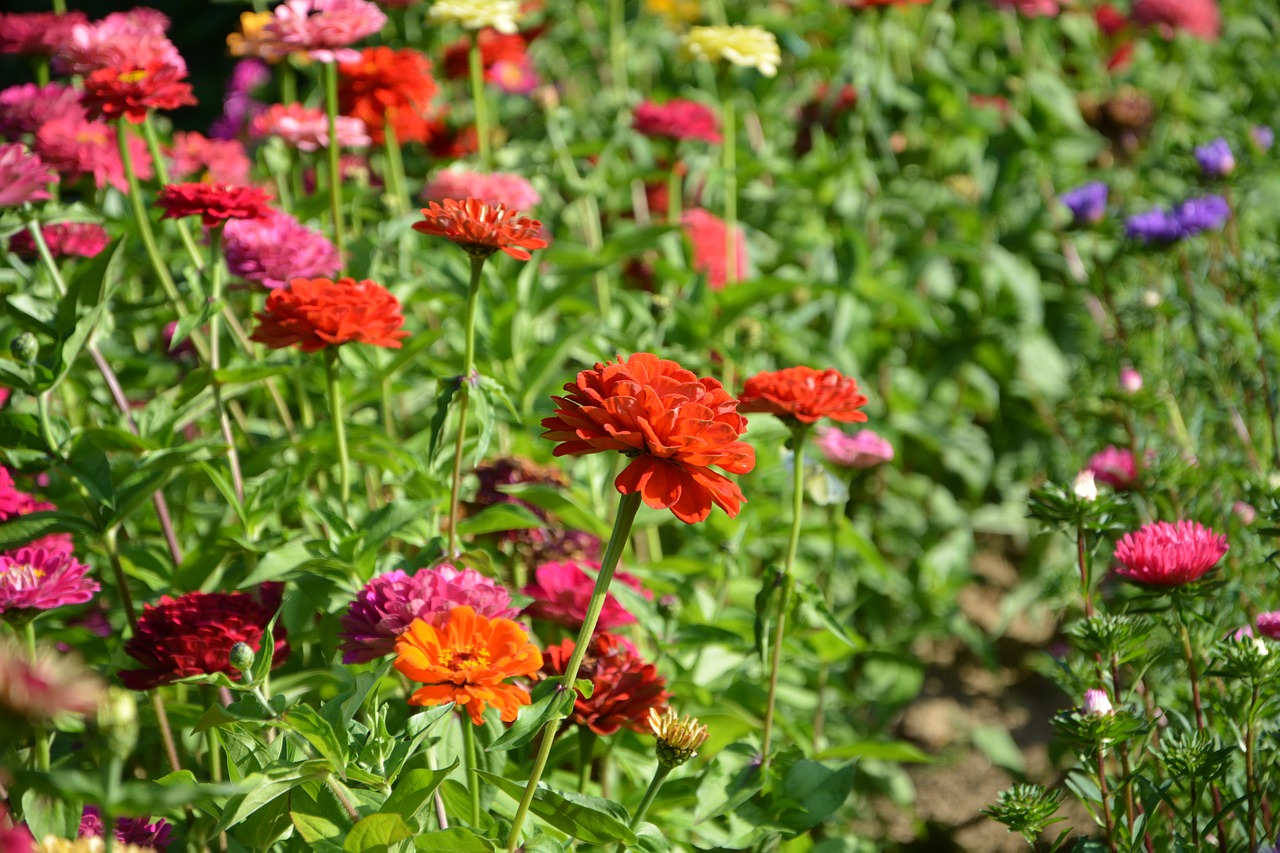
(65,240)
(37,33)
(14,501)
(562,591)
(388,604)
(1269,624)
(324,29)
(76,146)
(36,578)
(1115,467)
(25,108)
(863,449)
(119,39)
(1164,554)
(276,248)
(307,129)
(17,838)
(50,685)
(138,831)
(195,157)
(502,188)
(1200,18)
(706,233)
(24,176)
(677,119)
(513,77)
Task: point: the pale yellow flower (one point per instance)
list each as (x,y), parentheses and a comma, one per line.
(749,47)
(678,739)
(476,14)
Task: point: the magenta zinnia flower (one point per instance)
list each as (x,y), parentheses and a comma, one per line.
(562,592)
(26,108)
(65,240)
(863,449)
(387,605)
(24,176)
(36,33)
(119,39)
(506,189)
(307,129)
(323,29)
(677,119)
(1164,554)
(40,578)
(277,248)
(1115,467)
(137,831)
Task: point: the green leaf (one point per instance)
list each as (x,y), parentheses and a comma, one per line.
(814,599)
(19,430)
(20,530)
(549,701)
(376,833)
(45,815)
(267,786)
(448,388)
(90,468)
(413,790)
(453,840)
(191,322)
(261,669)
(307,722)
(897,751)
(588,819)
(499,517)
(314,822)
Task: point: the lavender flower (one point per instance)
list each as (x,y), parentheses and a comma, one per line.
(1201,214)
(1262,137)
(1153,226)
(1087,203)
(1216,159)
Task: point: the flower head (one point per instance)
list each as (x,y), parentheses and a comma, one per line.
(493,188)
(1130,380)
(253,39)
(1097,703)
(193,635)
(387,605)
(49,685)
(130,90)
(1200,18)
(215,204)
(706,233)
(749,47)
(1269,624)
(1114,466)
(14,838)
(677,119)
(467,660)
(561,592)
(805,395)
(37,33)
(134,37)
(1201,214)
(195,157)
(26,108)
(386,86)
(1262,137)
(23,176)
(481,229)
(863,449)
(1246,512)
(1215,158)
(678,739)
(37,578)
(495,48)
(1163,554)
(323,29)
(1087,203)
(1153,226)
(1084,486)
(316,313)
(76,146)
(672,424)
(625,689)
(515,77)
(65,240)
(501,15)
(137,831)
(307,128)
(276,248)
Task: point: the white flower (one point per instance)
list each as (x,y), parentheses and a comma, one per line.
(477,14)
(1084,487)
(1097,704)
(749,47)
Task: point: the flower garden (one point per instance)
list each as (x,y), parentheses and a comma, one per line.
(484,425)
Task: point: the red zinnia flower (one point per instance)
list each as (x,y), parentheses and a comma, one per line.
(193,635)
(625,688)
(804,394)
(130,92)
(1164,554)
(481,229)
(707,235)
(674,425)
(387,85)
(315,313)
(213,203)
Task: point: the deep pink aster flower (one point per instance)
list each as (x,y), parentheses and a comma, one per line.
(277,248)
(137,831)
(863,449)
(195,157)
(1115,467)
(502,188)
(65,240)
(677,119)
(36,578)
(1200,18)
(562,591)
(1269,624)
(388,604)
(307,129)
(24,176)
(118,40)
(706,233)
(37,33)
(17,838)
(24,109)
(76,147)
(323,29)
(1164,554)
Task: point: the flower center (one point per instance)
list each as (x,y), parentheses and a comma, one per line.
(20,577)
(465,659)
(133,76)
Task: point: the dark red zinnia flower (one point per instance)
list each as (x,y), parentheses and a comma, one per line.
(130,92)
(193,635)
(481,229)
(804,394)
(315,313)
(389,86)
(213,203)
(625,687)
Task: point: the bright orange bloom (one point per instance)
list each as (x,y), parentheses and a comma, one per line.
(804,394)
(674,425)
(388,85)
(466,661)
(315,313)
(481,229)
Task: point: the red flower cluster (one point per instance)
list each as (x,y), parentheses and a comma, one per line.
(672,424)
(1164,554)
(481,229)
(393,86)
(316,313)
(804,394)
(213,203)
(677,119)
(625,687)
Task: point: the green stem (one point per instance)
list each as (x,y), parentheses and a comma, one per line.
(730,151)
(799,435)
(336,417)
(675,194)
(42,732)
(473,778)
(162,175)
(335,167)
(41,64)
(215,358)
(618,46)
(288,82)
(60,6)
(477,96)
(660,774)
(586,745)
(627,508)
(395,166)
(464,391)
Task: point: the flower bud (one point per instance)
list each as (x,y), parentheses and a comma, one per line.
(1130,380)
(118,720)
(1096,703)
(678,739)
(25,348)
(241,656)
(1084,486)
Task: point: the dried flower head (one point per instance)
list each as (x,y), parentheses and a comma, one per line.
(749,47)
(501,15)
(678,738)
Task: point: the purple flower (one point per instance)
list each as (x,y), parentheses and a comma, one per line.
(1201,214)
(272,250)
(1262,137)
(1216,159)
(1087,203)
(239,107)
(1269,624)
(129,830)
(1153,226)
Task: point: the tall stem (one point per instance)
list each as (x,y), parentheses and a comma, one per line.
(1250,775)
(338,419)
(1105,797)
(660,774)
(627,508)
(464,392)
(215,358)
(799,435)
(1082,557)
(618,46)
(730,150)
(395,164)
(42,731)
(162,175)
(476,62)
(1268,389)
(675,194)
(335,167)
(473,779)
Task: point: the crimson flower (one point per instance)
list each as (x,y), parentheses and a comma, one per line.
(213,203)
(1164,554)
(625,687)
(805,395)
(386,86)
(316,313)
(130,92)
(481,229)
(672,424)
(677,119)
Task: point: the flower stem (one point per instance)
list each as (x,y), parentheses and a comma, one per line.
(336,417)
(627,508)
(618,46)
(395,165)
(162,175)
(660,774)
(1105,797)
(675,194)
(473,779)
(335,168)
(464,392)
(799,435)
(730,151)
(1086,590)
(476,62)
(1250,775)
(41,753)
(215,358)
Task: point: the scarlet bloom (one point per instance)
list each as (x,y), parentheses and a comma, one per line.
(193,635)
(467,660)
(495,47)
(674,425)
(130,92)
(481,229)
(625,687)
(1164,554)
(804,394)
(213,203)
(314,313)
(389,86)
(706,233)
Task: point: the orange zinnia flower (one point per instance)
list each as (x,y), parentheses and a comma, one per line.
(314,313)
(482,229)
(466,661)
(388,85)
(673,425)
(804,394)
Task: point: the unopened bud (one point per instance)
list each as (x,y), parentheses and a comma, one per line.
(669,607)
(1084,486)
(1096,703)
(25,348)
(241,657)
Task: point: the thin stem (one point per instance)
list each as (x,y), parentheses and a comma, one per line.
(1250,775)
(464,392)
(627,508)
(473,779)
(586,745)
(117,568)
(338,419)
(730,150)
(162,175)
(799,435)
(442,816)
(660,774)
(335,168)
(215,356)
(395,164)
(41,755)
(618,46)
(1108,825)
(166,732)
(675,194)
(476,62)
(1191,813)
(1082,557)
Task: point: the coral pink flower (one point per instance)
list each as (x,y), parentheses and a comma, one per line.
(37,33)
(39,689)
(562,591)
(804,394)
(1115,467)
(387,605)
(76,146)
(121,38)
(36,578)
(1164,554)
(501,188)
(863,449)
(677,119)
(65,240)
(25,108)
(23,176)
(213,203)
(276,248)
(1200,18)
(706,233)
(625,687)
(307,129)
(1031,8)
(323,29)
(195,157)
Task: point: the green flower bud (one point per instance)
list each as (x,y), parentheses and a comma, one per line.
(241,657)
(25,348)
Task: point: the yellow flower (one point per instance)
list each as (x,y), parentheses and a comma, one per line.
(678,740)
(749,47)
(252,40)
(476,14)
(675,11)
